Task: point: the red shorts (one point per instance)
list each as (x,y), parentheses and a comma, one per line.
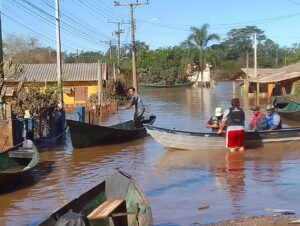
(235,139)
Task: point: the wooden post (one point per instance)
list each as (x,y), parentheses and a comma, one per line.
(257,94)
(99,82)
(233,87)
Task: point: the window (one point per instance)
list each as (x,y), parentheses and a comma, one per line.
(81,94)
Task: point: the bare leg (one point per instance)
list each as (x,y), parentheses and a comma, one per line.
(232,149)
(241,149)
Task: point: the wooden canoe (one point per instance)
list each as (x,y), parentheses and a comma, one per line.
(88,135)
(178,139)
(158,85)
(288,109)
(17,162)
(117,199)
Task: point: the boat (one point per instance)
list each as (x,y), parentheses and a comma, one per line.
(150,85)
(179,139)
(18,162)
(155,85)
(289,109)
(88,135)
(117,199)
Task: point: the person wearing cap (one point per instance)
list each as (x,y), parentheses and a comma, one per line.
(274,120)
(258,121)
(234,118)
(214,120)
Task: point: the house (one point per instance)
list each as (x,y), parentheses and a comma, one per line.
(80,80)
(271,81)
(205,80)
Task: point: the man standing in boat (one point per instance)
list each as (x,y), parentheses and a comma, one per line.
(234,118)
(137,102)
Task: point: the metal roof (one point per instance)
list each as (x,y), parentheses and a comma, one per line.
(269,75)
(48,72)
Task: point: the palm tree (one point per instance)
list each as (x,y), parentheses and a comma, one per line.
(199,40)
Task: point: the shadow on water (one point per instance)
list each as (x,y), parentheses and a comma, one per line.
(40,172)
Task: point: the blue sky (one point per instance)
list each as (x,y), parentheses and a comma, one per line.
(162,23)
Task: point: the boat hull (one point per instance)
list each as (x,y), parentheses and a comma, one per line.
(117,186)
(158,85)
(88,135)
(287,109)
(17,163)
(177,139)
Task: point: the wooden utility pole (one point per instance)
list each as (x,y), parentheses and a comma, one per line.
(133,50)
(255,69)
(58,53)
(1,54)
(100,82)
(118,34)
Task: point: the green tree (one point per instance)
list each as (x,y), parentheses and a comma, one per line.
(199,39)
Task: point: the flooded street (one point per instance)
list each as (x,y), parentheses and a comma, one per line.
(177,183)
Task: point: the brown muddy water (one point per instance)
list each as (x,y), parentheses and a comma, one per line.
(177,183)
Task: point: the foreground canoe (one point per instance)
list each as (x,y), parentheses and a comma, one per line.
(88,135)
(17,162)
(178,139)
(288,109)
(115,201)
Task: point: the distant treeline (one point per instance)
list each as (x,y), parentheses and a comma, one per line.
(172,64)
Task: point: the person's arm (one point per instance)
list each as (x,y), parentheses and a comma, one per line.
(221,127)
(210,125)
(222,124)
(276,119)
(130,105)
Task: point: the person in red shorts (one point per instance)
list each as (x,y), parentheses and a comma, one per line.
(234,119)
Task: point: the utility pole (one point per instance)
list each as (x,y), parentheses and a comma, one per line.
(118,34)
(1,55)
(255,69)
(109,49)
(133,50)
(58,53)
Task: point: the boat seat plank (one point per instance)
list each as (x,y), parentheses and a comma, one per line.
(105,209)
(21,154)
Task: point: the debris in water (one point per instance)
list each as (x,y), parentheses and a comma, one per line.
(203,207)
(282,211)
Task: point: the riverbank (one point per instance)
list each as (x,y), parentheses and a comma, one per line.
(257,221)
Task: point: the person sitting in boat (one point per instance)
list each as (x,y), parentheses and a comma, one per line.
(274,120)
(214,120)
(137,102)
(234,118)
(258,121)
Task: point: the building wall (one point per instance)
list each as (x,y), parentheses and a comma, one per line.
(70,97)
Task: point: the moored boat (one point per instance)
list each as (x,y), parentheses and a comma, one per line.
(88,135)
(178,139)
(117,199)
(17,162)
(286,108)
(163,85)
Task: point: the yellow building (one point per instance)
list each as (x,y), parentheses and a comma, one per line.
(80,80)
